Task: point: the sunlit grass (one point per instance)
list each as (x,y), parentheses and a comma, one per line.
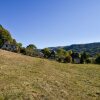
(27,78)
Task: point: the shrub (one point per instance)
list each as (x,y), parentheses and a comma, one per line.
(97,60)
(23,51)
(68,59)
(88,61)
(61,60)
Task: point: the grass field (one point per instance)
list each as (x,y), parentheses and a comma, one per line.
(27,78)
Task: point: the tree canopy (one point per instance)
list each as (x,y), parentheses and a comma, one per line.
(4,36)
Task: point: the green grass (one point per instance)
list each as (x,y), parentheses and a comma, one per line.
(27,78)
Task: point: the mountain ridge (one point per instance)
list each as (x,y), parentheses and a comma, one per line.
(91,48)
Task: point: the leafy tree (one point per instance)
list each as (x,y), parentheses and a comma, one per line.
(60,59)
(82,61)
(46,52)
(31,50)
(75,55)
(84,57)
(14,42)
(63,55)
(52,54)
(31,46)
(70,52)
(23,50)
(61,52)
(97,60)
(19,45)
(88,61)
(68,59)
(4,36)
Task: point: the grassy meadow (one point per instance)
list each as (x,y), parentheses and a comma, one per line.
(27,78)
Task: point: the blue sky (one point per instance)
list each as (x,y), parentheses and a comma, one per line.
(48,23)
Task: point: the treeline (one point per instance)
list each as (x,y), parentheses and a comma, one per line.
(64,56)
(60,54)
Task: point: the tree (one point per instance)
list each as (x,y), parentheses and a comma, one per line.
(46,52)
(4,36)
(68,59)
(74,56)
(61,52)
(31,46)
(14,42)
(88,61)
(84,57)
(23,51)
(70,52)
(31,50)
(19,45)
(60,59)
(97,60)
(52,54)
(62,55)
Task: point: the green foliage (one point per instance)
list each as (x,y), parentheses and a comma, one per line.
(14,42)
(46,52)
(31,50)
(52,54)
(88,61)
(64,56)
(23,50)
(19,45)
(68,59)
(91,48)
(4,36)
(84,57)
(70,52)
(1,42)
(82,61)
(75,56)
(31,46)
(97,60)
(61,52)
(60,59)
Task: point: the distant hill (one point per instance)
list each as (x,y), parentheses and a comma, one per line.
(91,48)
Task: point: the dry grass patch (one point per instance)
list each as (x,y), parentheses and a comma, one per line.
(27,78)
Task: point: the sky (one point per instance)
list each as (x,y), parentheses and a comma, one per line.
(49,23)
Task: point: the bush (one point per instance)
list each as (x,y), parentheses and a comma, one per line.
(97,60)
(23,51)
(46,52)
(31,50)
(88,61)
(68,59)
(61,60)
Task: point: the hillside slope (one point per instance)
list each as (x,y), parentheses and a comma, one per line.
(91,48)
(27,78)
